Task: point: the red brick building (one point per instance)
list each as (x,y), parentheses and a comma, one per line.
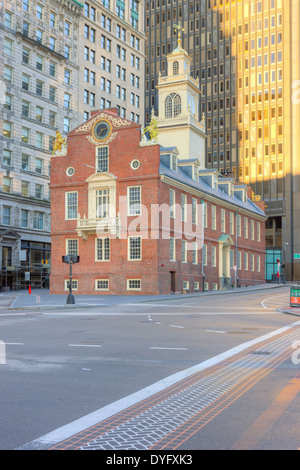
(146,217)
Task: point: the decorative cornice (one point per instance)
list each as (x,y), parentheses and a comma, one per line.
(116,122)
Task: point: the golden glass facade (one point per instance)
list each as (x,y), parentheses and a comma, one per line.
(241,53)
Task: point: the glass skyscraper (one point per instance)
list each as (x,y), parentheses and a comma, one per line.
(246,56)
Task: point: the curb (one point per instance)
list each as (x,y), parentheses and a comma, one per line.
(289,311)
(181,296)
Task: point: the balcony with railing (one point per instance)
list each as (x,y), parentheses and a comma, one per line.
(106,226)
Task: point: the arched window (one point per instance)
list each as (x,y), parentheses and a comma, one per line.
(172,105)
(192,104)
(175,68)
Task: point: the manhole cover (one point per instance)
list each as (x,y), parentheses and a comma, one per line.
(238,332)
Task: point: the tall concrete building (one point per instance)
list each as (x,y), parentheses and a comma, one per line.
(39,79)
(112,58)
(246,56)
(62,59)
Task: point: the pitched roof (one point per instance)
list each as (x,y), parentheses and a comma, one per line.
(181,177)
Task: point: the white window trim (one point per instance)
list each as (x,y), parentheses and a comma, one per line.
(100,147)
(223,220)
(214,259)
(194,211)
(252,262)
(172,256)
(246,228)
(213,217)
(128,249)
(101,289)
(184,251)
(183,201)
(172,203)
(96,250)
(134,288)
(67,245)
(74,281)
(204,209)
(204,254)
(246,261)
(258,232)
(66,205)
(239,225)
(128,201)
(195,252)
(252,230)
(231,223)
(239,260)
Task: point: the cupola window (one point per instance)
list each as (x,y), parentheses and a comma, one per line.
(176,67)
(172,105)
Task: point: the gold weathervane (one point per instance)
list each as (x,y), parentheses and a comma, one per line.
(178,28)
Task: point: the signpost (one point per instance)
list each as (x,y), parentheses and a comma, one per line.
(70,260)
(295,296)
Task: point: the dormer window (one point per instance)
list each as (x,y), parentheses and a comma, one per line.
(172,106)
(176,67)
(241,193)
(214,182)
(173,162)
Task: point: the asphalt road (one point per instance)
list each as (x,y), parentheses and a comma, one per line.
(63,366)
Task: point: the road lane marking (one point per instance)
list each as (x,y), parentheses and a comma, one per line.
(270,298)
(86,345)
(156,313)
(214,331)
(150,304)
(176,326)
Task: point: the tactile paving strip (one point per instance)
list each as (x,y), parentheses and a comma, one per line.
(170,417)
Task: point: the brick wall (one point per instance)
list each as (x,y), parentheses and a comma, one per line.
(155,268)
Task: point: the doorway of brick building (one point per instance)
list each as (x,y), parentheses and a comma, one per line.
(173,282)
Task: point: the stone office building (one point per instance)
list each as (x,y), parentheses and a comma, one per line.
(39,73)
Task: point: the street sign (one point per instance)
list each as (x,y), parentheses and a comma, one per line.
(27,276)
(297,256)
(71,259)
(295,296)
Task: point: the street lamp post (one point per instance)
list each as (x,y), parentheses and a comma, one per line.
(70,260)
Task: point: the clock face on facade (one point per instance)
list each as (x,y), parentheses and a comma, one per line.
(101,130)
